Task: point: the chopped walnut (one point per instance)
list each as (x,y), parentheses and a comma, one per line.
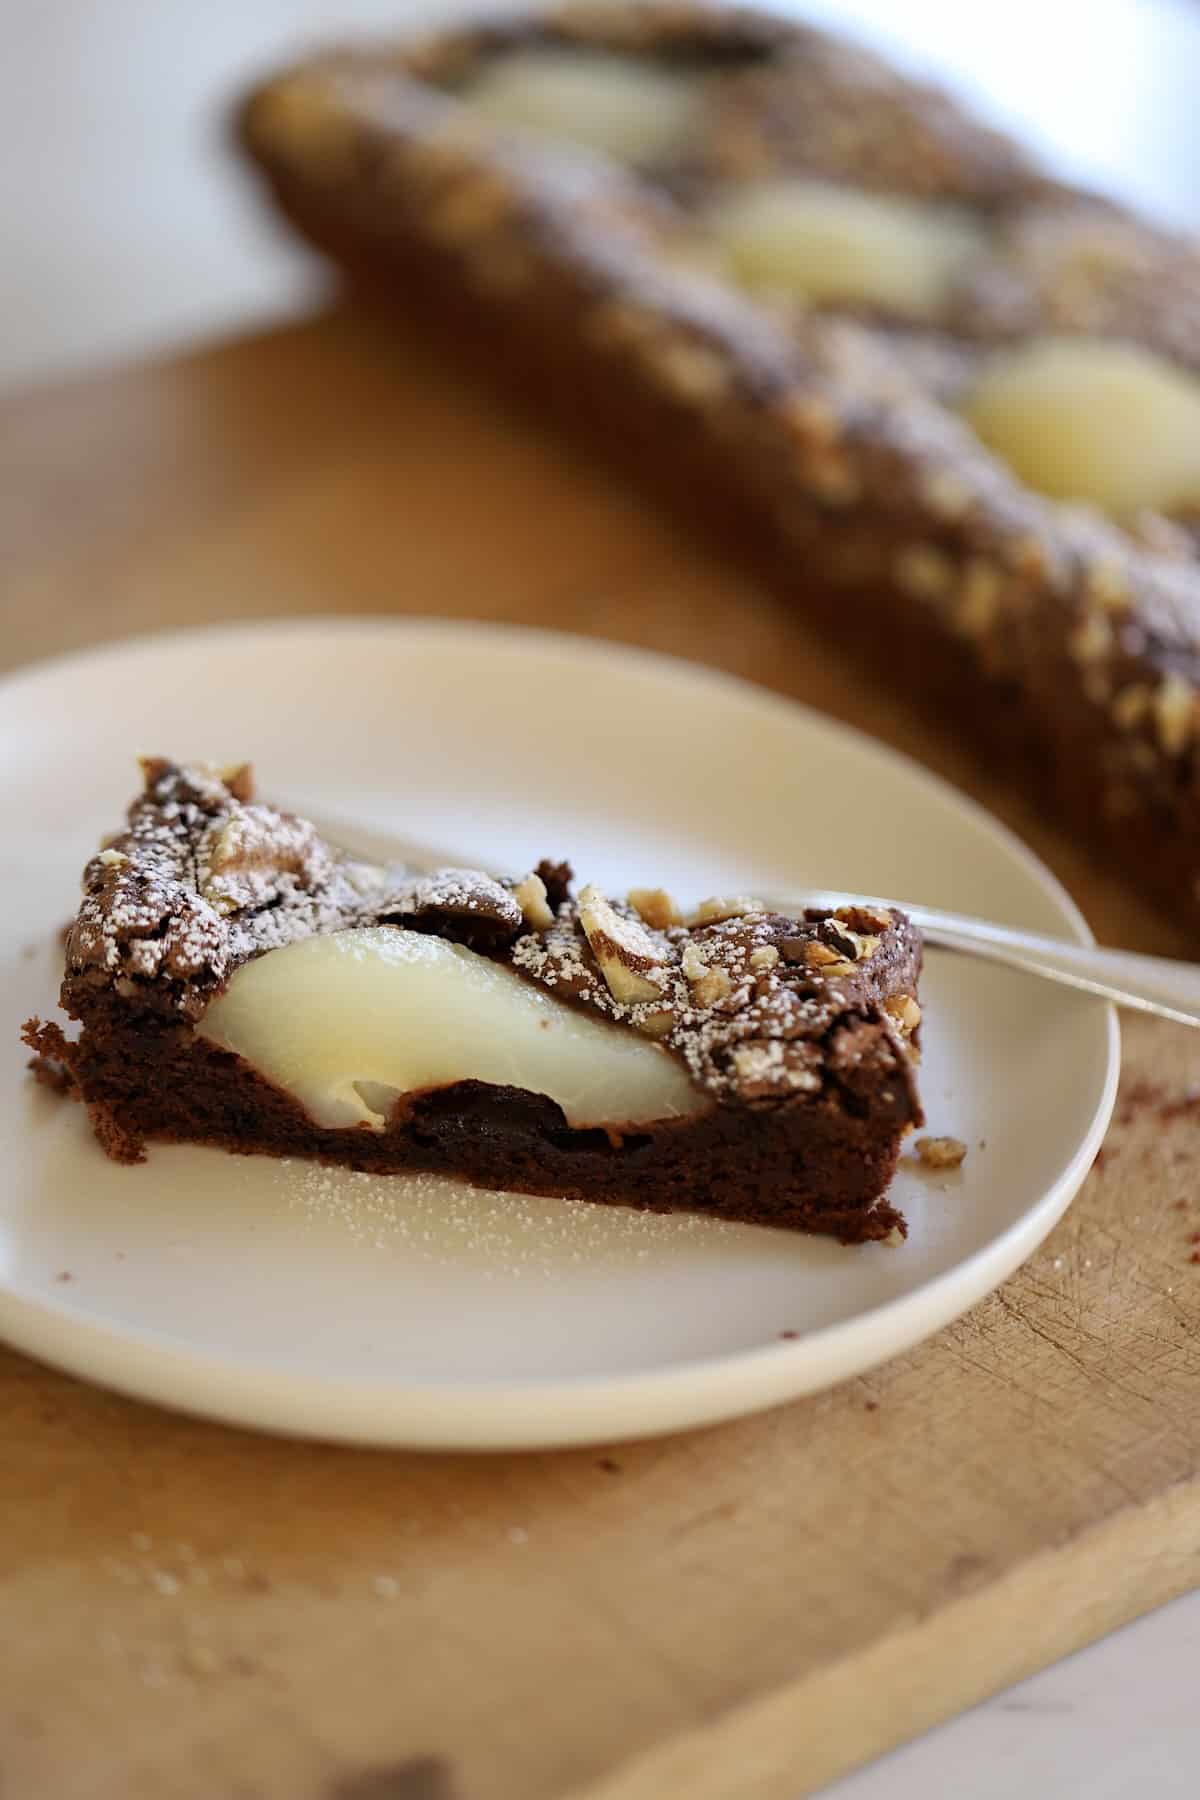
(625,953)
(818,955)
(693,964)
(657,1024)
(824,957)
(245,856)
(862,945)
(1175,713)
(656,907)
(470,209)
(692,371)
(904,1009)
(980,598)
(946,494)
(865,918)
(239,779)
(1092,638)
(217,781)
(765,957)
(764,1067)
(923,572)
(708,985)
(1131,705)
(530,896)
(711,988)
(1108,585)
(720,907)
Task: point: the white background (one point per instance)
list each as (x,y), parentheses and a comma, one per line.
(126,229)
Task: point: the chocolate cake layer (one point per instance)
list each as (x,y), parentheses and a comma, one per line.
(798,1036)
(832,437)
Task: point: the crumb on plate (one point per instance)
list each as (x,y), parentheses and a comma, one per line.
(941,1152)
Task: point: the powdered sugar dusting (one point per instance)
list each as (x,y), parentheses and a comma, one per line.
(746,1027)
(503,1236)
(204,879)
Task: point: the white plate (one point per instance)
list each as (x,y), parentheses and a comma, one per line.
(394,1311)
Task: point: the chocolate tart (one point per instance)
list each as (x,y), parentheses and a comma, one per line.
(949,404)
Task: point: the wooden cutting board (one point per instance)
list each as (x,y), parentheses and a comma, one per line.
(192,1611)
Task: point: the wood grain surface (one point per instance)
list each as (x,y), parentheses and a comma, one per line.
(189,1611)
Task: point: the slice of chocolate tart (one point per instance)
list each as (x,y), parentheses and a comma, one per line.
(239,981)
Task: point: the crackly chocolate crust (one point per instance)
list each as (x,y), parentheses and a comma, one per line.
(204,877)
(801,1033)
(1066,645)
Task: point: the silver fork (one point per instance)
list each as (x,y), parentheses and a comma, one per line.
(1150,984)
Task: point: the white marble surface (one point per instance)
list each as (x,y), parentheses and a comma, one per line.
(1119,1721)
(126,229)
